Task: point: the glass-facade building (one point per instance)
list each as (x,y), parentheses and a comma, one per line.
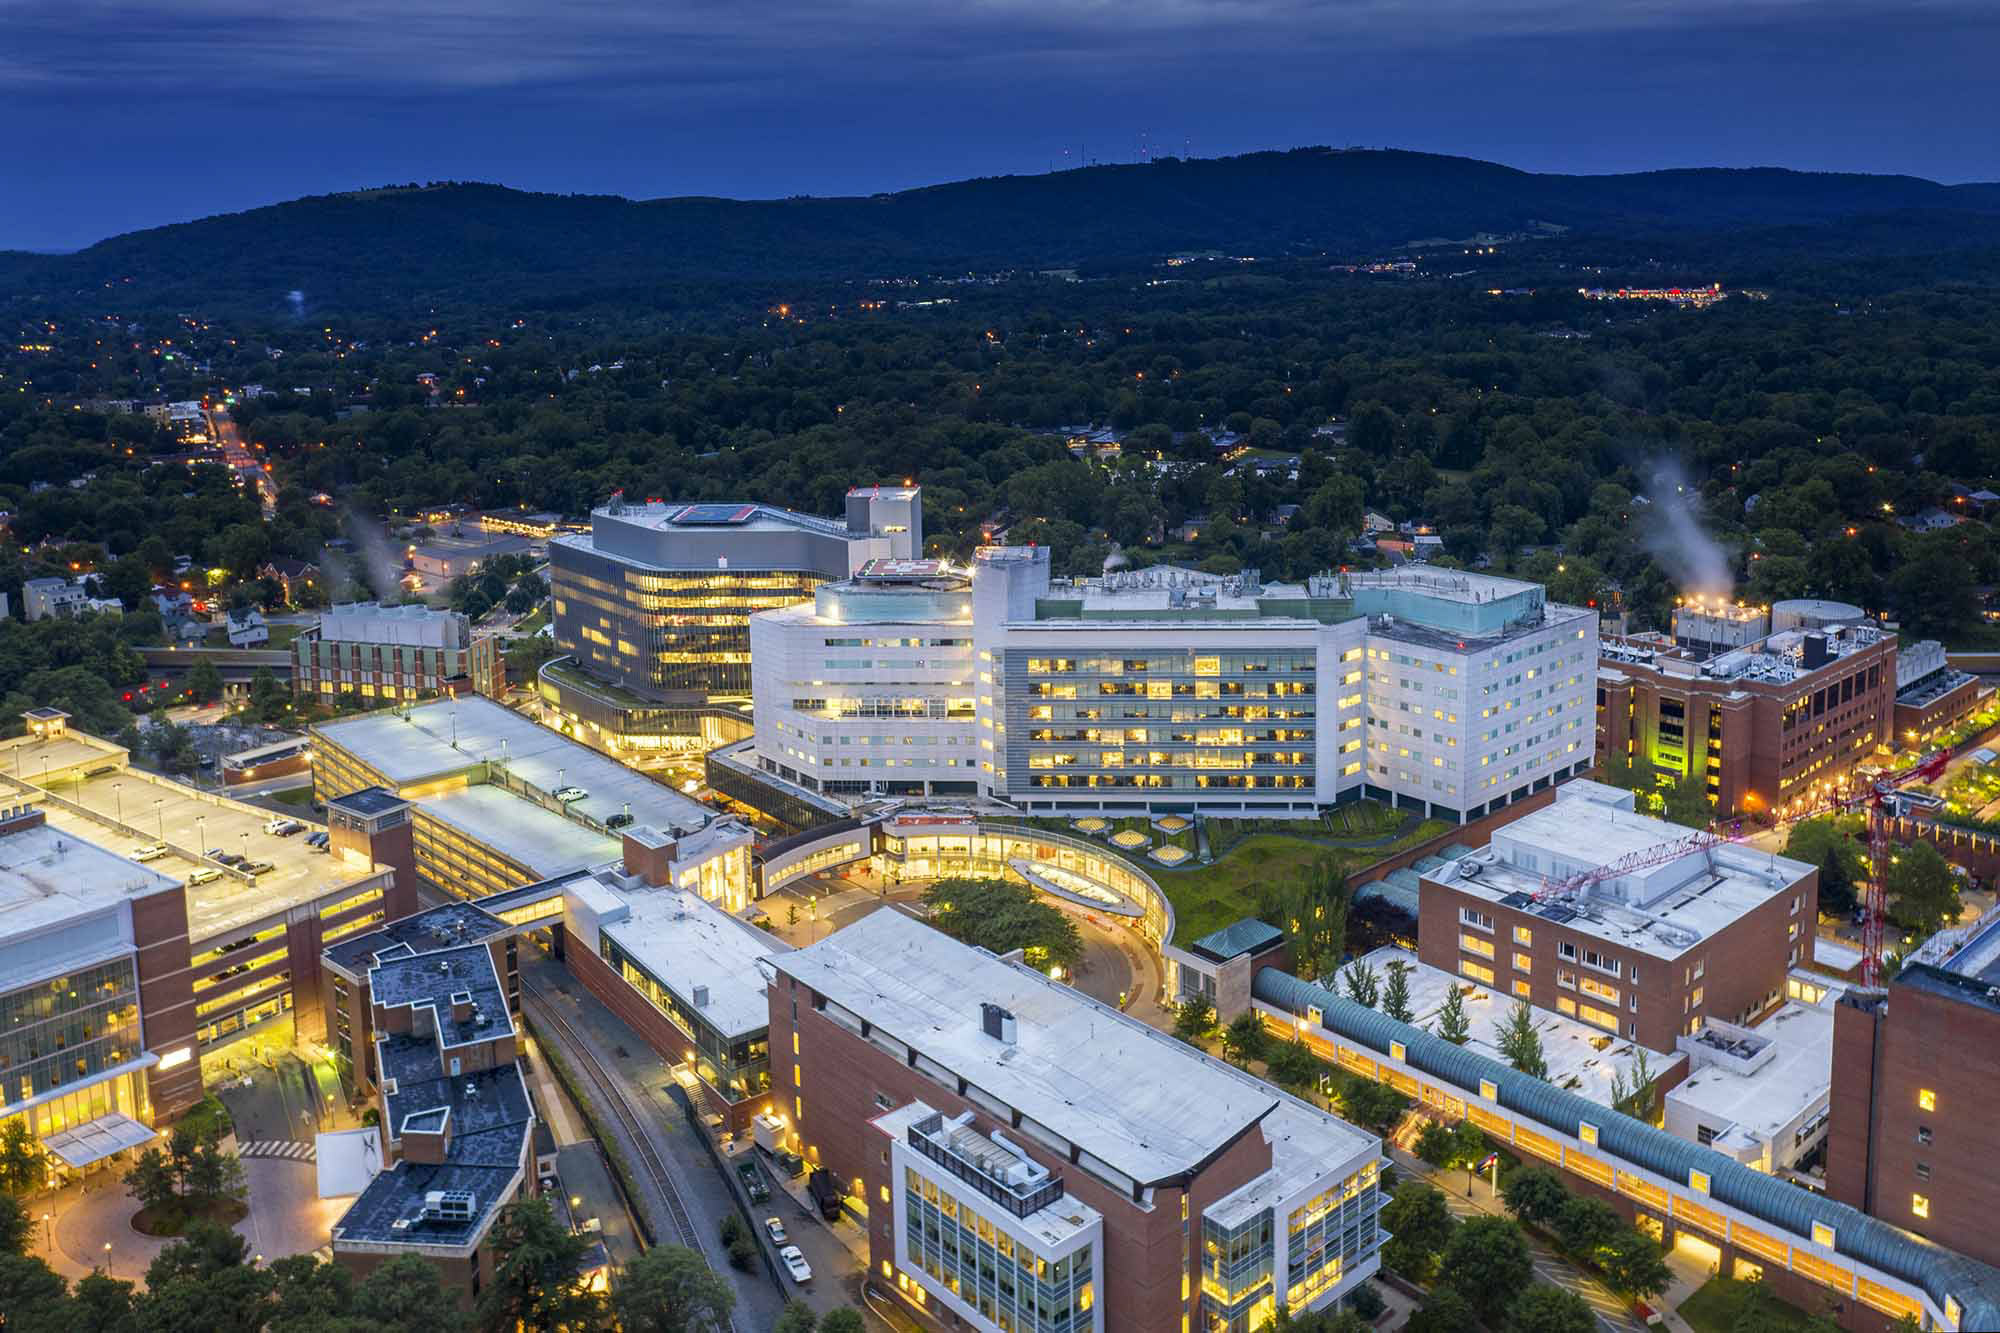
(737,1067)
(1293,1253)
(657,598)
(65,1032)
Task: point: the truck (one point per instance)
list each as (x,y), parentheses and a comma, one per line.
(826,1193)
(753,1181)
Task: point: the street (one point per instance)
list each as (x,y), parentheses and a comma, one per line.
(239,454)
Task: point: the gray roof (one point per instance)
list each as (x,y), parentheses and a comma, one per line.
(441,927)
(432,979)
(1938,1271)
(1239,937)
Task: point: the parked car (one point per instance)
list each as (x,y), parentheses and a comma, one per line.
(254,868)
(795,1264)
(227,858)
(317,838)
(826,1192)
(203,876)
(568,794)
(152,851)
(275,825)
(775,1229)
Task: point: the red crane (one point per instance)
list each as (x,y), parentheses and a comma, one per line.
(1874,797)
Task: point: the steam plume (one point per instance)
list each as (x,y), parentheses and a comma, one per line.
(1675,537)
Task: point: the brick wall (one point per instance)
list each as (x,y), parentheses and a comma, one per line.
(166,999)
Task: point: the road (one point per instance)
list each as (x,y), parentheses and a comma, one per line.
(239,454)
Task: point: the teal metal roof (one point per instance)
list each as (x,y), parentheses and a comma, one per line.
(1400,896)
(1938,1271)
(1240,937)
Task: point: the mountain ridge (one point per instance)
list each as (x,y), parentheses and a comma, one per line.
(451,240)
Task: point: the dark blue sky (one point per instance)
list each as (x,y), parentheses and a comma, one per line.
(127,115)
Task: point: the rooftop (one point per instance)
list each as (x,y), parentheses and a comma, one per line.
(51,876)
(521,830)
(441,927)
(1246,936)
(731,514)
(1143,1103)
(965,1152)
(1757,1090)
(1582,1059)
(435,980)
(196,822)
(1775,659)
(688,944)
(433,740)
(1672,892)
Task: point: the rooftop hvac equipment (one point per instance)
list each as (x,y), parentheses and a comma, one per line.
(996,1022)
(451,1205)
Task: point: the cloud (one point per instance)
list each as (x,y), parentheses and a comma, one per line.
(670,48)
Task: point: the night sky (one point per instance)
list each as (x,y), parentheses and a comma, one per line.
(121,116)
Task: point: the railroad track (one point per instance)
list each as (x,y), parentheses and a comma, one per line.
(615,1101)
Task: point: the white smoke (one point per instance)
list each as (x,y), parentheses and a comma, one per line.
(378,558)
(296,299)
(1674,536)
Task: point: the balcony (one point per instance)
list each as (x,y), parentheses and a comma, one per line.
(996,1169)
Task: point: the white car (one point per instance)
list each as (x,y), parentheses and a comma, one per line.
(203,876)
(568,794)
(795,1264)
(273,825)
(775,1230)
(152,851)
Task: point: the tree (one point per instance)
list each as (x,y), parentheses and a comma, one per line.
(1686,801)
(535,1280)
(1396,992)
(406,1293)
(204,681)
(1419,1224)
(1922,891)
(1633,1093)
(103,1304)
(1312,911)
(796,1317)
(152,1181)
(32,1295)
(1548,1309)
(1581,1225)
(846,1319)
(23,1162)
(1363,987)
(1444,1311)
(1489,1263)
(1292,1064)
(1831,845)
(670,1289)
(1438,1145)
(738,1243)
(267,697)
(1631,1262)
(1001,916)
(1244,1039)
(1453,1025)
(211,1173)
(17,1226)
(1194,1020)
(1366,1102)
(525,656)
(1535,1194)
(1520,1044)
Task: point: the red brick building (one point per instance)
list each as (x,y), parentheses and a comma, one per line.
(1916,1075)
(1680,935)
(983,1119)
(1768,724)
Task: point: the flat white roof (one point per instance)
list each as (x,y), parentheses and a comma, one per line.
(1581,1058)
(50,875)
(1128,1095)
(688,943)
(430,740)
(520,830)
(1766,1101)
(1671,895)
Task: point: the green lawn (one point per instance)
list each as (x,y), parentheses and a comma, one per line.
(299,796)
(1210,897)
(1721,1302)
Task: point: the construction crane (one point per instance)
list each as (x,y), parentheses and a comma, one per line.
(1874,798)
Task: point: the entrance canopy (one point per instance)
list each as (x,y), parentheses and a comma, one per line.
(95,1140)
(1079,889)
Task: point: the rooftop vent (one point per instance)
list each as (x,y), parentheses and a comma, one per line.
(701,997)
(996,1022)
(451,1205)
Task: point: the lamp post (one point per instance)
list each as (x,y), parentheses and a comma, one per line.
(118,800)
(109,1271)
(160,816)
(49,1230)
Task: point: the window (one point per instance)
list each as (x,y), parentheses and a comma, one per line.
(1566,950)
(1473,944)
(1523,989)
(1920,1204)
(1698,1181)
(1823,1234)
(1477,971)
(1926,1100)
(1587,1132)
(1923,1133)
(1523,963)
(1923,1170)
(1602,990)
(1489,1090)
(1523,935)
(1477,920)
(1397,1052)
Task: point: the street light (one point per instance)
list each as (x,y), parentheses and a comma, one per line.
(49,1229)
(118,800)
(107,1260)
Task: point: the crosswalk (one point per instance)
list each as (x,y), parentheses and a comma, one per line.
(297,1152)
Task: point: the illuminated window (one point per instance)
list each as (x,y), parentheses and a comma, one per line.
(1698,1181)
(1523,963)
(1926,1099)
(1474,970)
(1823,1234)
(1489,1089)
(1523,989)
(1473,944)
(1587,1132)
(1397,1051)
(1522,935)
(1920,1205)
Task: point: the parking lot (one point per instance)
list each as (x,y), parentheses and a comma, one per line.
(156,810)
